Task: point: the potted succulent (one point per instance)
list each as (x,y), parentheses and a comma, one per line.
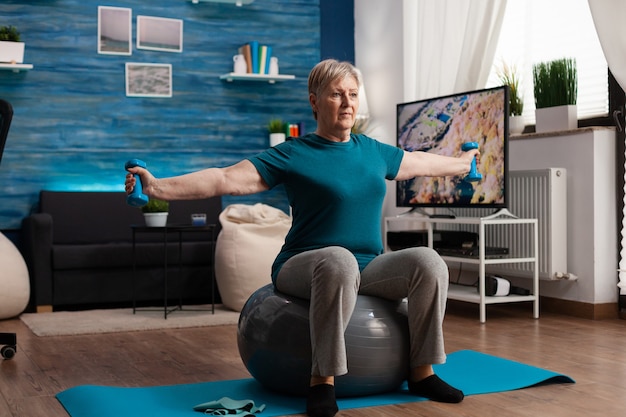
(155,212)
(508,76)
(276,128)
(556,88)
(11,49)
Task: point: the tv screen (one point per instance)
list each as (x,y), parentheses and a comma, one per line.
(442,125)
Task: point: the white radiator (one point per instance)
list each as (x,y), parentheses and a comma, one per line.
(540,194)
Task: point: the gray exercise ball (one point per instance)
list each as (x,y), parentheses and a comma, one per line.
(275,345)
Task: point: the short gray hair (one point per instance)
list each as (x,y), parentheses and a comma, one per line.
(328,71)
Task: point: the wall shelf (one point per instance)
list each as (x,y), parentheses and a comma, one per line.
(15,67)
(230,77)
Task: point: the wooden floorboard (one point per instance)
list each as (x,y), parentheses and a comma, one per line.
(593,352)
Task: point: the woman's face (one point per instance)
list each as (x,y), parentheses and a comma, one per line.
(337,105)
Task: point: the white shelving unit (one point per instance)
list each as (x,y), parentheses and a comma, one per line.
(469,294)
(16,67)
(232,76)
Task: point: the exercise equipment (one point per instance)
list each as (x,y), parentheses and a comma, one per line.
(9,340)
(275,344)
(473,175)
(136,198)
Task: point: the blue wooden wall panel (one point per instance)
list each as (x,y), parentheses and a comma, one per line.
(74,128)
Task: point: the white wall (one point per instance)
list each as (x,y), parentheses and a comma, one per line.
(589,157)
(378,53)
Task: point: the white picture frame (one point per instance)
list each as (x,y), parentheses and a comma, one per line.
(115,30)
(148,80)
(159,34)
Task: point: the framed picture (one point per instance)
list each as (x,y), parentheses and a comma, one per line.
(114,30)
(159,34)
(148,80)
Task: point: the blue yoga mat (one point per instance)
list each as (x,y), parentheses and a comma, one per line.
(472,372)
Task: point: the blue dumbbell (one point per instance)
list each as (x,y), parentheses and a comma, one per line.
(473,175)
(136,198)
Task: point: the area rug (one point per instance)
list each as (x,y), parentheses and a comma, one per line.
(64,323)
(473,372)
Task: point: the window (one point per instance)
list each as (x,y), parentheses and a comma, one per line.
(535,31)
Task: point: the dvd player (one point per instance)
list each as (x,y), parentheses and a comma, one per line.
(491,252)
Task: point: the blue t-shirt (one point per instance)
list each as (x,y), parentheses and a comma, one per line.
(336,191)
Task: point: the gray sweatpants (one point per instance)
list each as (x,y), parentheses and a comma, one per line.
(330,278)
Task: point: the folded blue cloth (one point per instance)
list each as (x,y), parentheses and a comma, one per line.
(227,406)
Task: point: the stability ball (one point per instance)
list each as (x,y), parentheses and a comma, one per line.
(275,344)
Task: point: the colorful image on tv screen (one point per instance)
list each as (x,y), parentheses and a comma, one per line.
(443,125)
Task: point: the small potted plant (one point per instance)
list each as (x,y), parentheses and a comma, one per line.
(11,49)
(276,128)
(155,212)
(556,89)
(508,76)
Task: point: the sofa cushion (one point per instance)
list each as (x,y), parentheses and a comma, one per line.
(120,254)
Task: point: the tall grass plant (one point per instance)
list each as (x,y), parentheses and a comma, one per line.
(555,83)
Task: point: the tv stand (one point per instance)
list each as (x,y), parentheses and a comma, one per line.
(421,212)
(469,294)
(502,212)
(415,211)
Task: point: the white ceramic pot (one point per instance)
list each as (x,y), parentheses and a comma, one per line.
(273,66)
(516,125)
(239,66)
(276,138)
(12,52)
(155,219)
(555,119)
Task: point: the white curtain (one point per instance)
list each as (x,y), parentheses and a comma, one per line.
(449,45)
(609,16)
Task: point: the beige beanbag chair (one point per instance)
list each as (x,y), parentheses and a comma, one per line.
(247,245)
(14,280)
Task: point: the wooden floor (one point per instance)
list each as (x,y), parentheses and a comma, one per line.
(591,352)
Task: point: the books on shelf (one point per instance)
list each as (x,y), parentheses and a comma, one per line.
(257,57)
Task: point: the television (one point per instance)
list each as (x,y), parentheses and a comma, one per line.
(442,125)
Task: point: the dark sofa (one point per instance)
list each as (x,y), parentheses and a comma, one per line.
(78,248)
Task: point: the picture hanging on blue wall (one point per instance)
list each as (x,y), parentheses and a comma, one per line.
(114,30)
(148,80)
(159,34)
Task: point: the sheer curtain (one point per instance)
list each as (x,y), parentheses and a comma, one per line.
(449,45)
(608,18)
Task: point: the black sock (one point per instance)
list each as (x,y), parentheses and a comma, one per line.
(434,388)
(321,401)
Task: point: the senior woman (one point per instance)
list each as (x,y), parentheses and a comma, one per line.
(335,183)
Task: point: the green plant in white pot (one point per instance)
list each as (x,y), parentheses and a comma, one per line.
(555,84)
(155,212)
(508,76)
(276,129)
(11,49)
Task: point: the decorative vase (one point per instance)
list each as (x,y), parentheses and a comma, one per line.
(557,118)
(516,125)
(12,52)
(239,66)
(276,138)
(273,66)
(155,219)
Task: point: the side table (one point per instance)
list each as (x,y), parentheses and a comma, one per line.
(180,230)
